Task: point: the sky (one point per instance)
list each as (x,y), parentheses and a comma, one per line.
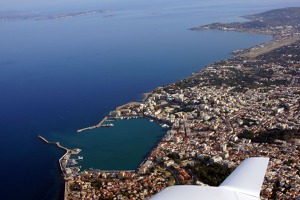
(60,5)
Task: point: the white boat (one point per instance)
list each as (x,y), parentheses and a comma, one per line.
(108,125)
(80,157)
(165,126)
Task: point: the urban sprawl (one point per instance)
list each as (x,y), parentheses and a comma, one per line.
(246,106)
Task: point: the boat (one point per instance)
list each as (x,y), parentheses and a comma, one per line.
(165,126)
(80,157)
(108,125)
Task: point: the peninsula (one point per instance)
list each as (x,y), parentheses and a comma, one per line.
(25,15)
(248,105)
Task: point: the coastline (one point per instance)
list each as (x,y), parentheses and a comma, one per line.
(123,110)
(266,47)
(160,121)
(282,34)
(145,96)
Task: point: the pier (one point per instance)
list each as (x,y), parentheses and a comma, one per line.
(93,127)
(100,124)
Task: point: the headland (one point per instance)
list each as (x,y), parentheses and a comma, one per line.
(282,24)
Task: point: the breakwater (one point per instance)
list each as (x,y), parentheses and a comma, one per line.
(63,162)
(54,143)
(93,127)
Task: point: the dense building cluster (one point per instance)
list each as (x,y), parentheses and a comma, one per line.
(118,185)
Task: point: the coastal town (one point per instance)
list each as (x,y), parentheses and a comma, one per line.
(245,106)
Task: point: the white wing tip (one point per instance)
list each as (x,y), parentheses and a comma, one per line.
(248,177)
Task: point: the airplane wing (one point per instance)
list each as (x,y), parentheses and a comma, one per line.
(243,184)
(248,177)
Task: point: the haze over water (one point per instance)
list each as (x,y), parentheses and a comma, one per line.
(57,76)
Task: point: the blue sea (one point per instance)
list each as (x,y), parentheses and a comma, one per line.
(57,76)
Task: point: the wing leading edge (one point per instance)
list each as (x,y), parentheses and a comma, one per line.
(248,177)
(243,184)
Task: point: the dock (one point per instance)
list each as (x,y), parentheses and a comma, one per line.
(93,127)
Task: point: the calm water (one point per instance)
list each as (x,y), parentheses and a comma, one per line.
(57,76)
(121,147)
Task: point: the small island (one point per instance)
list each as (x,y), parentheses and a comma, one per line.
(245,106)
